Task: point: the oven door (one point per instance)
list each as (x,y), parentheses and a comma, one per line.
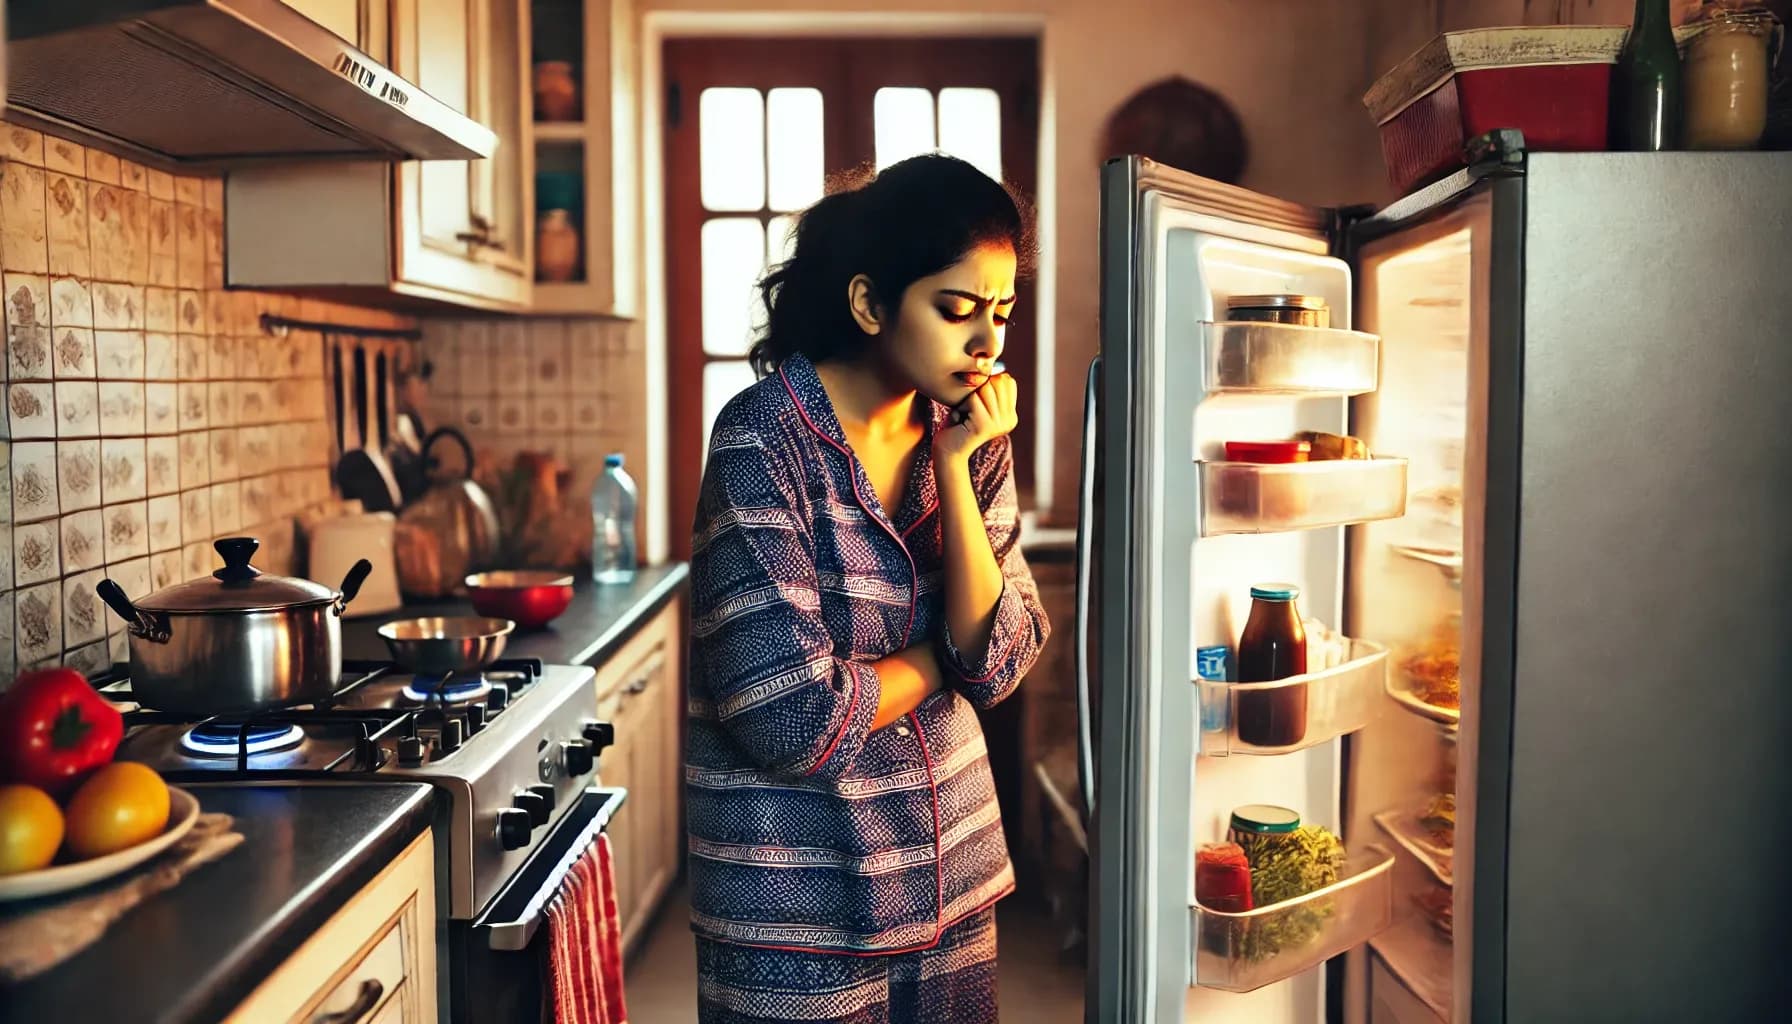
(498,961)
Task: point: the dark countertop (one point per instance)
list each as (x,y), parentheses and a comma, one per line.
(597,622)
(196,951)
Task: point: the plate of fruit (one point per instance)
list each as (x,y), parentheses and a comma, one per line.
(69,814)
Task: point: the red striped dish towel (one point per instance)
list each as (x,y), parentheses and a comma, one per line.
(585,942)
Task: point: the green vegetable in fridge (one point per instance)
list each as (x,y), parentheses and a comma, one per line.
(1284,867)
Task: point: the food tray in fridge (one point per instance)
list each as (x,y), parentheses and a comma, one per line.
(1404,828)
(1402,689)
(1256,497)
(1245,951)
(1551,82)
(1272,358)
(1338,700)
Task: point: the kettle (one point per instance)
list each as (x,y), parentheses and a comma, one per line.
(450,531)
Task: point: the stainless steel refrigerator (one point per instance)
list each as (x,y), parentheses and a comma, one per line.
(1575,374)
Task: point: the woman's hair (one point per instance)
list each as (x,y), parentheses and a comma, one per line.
(912,220)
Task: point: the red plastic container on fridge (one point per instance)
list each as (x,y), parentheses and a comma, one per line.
(1551,82)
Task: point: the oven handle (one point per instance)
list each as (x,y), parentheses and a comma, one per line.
(519,910)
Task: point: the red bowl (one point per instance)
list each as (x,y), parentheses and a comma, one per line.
(531,599)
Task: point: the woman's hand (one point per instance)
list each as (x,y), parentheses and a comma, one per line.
(981,418)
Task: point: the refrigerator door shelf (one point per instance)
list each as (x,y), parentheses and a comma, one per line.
(1339,700)
(1287,359)
(1448,561)
(1251,497)
(1404,828)
(1242,952)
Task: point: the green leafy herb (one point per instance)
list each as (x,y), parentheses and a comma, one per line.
(1284,867)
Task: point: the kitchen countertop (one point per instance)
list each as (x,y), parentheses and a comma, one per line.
(196,951)
(597,622)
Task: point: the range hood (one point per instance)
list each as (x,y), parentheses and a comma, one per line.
(213,84)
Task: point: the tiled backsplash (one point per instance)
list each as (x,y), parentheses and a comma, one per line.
(574,388)
(146,411)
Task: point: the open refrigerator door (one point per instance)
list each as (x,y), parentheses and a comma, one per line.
(1181,535)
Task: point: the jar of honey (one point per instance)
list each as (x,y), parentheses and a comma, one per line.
(1724,78)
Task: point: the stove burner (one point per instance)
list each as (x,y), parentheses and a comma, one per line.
(224,739)
(445,689)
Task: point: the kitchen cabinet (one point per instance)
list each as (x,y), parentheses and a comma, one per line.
(420,232)
(362,23)
(641,690)
(374,961)
(592,162)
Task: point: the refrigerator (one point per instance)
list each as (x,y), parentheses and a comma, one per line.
(1574,372)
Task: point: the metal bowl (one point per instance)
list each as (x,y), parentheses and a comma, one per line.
(531,599)
(435,644)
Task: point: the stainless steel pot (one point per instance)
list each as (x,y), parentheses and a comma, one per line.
(240,641)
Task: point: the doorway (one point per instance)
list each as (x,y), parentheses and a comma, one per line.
(753,128)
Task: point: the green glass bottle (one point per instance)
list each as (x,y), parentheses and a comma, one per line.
(1645,113)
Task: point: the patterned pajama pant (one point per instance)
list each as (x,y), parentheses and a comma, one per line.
(952,983)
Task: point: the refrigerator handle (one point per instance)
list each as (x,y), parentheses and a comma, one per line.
(1085,527)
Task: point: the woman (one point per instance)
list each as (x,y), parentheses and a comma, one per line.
(858,590)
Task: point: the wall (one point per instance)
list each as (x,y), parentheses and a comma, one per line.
(571,388)
(146,412)
(1294,70)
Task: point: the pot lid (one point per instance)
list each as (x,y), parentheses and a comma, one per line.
(238,586)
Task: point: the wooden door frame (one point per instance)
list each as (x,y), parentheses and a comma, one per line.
(852,66)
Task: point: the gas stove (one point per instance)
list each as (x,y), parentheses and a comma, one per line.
(514,748)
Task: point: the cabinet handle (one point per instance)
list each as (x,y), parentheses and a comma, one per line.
(365,1001)
(480,237)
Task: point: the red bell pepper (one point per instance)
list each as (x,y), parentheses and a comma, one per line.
(54,729)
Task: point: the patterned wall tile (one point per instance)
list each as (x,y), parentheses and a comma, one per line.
(146,411)
(31,410)
(24,220)
(36,552)
(83,541)
(77,408)
(34,481)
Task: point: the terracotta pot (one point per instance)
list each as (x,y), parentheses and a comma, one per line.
(556,91)
(557,247)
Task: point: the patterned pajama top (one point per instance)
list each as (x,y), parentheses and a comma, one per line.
(809,831)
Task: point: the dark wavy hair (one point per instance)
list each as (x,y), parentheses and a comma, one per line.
(912,220)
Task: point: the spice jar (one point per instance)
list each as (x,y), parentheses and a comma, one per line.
(1223,878)
(1724,79)
(1257,828)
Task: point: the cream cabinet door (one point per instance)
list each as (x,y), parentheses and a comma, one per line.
(459,223)
(363,23)
(375,960)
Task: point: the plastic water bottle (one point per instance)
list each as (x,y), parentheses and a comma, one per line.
(613,524)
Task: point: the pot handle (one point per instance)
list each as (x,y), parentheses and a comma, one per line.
(141,624)
(351,584)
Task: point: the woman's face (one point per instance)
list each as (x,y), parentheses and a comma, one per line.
(948,328)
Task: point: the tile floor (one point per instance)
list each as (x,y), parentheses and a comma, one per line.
(1037,986)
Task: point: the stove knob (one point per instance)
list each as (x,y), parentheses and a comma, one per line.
(454,733)
(545,792)
(600,735)
(514,826)
(497,698)
(538,808)
(475,717)
(410,751)
(578,757)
